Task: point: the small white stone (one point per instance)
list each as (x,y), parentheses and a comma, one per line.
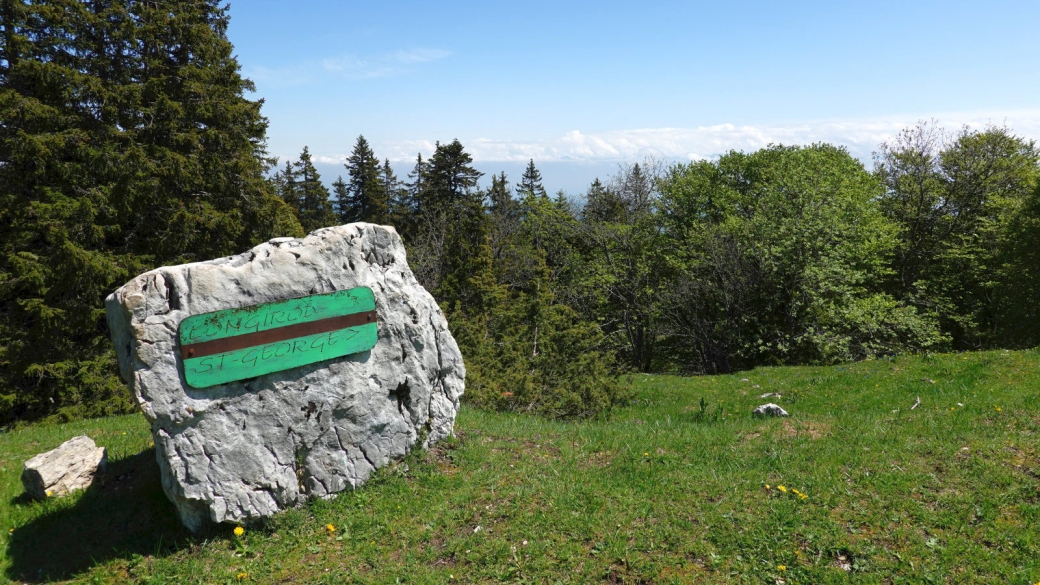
(70,467)
(769,410)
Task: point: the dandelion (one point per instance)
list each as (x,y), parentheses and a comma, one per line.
(330,527)
(998,408)
(239,531)
(781,567)
(646,454)
(11,531)
(781,488)
(803,496)
(242,576)
(767,487)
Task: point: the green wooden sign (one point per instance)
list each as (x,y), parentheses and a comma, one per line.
(237,344)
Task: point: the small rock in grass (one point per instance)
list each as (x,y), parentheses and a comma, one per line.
(70,467)
(769,410)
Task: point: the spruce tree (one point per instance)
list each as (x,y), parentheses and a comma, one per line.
(126,142)
(367,201)
(418,178)
(341,198)
(450,178)
(396,195)
(314,208)
(285,185)
(531,182)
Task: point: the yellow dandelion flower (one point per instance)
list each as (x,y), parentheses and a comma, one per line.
(781,567)
(998,409)
(239,531)
(781,488)
(767,487)
(646,454)
(242,576)
(11,531)
(795,491)
(330,527)
(802,496)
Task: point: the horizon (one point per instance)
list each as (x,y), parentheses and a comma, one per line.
(582,90)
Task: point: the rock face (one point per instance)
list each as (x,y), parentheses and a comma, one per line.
(242,450)
(769,410)
(70,467)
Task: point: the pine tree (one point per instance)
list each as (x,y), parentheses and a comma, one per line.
(450,178)
(367,201)
(285,185)
(312,197)
(126,142)
(501,201)
(396,196)
(418,178)
(602,205)
(341,198)
(531,182)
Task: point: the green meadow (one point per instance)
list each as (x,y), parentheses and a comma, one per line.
(667,489)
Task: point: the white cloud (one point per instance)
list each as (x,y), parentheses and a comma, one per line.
(419,55)
(860,136)
(385,65)
(337,159)
(351,67)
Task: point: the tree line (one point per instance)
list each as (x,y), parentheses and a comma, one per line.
(127,142)
(787,255)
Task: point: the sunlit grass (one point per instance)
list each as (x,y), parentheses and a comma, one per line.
(946,492)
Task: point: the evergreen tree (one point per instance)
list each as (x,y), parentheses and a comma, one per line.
(418,178)
(531,182)
(285,185)
(450,178)
(312,197)
(501,202)
(367,201)
(396,196)
(602,204)
(126,142)
(341,198)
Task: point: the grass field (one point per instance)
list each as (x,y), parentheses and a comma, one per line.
(658,492)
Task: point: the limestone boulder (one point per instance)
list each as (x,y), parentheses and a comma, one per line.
(72,466)
(242,450)
(769,409)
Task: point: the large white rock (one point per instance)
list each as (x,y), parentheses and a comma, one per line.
(70,467)
(242,451)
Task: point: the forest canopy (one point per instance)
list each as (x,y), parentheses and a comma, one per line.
(127,142)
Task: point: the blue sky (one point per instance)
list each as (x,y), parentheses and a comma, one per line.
(583,86)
